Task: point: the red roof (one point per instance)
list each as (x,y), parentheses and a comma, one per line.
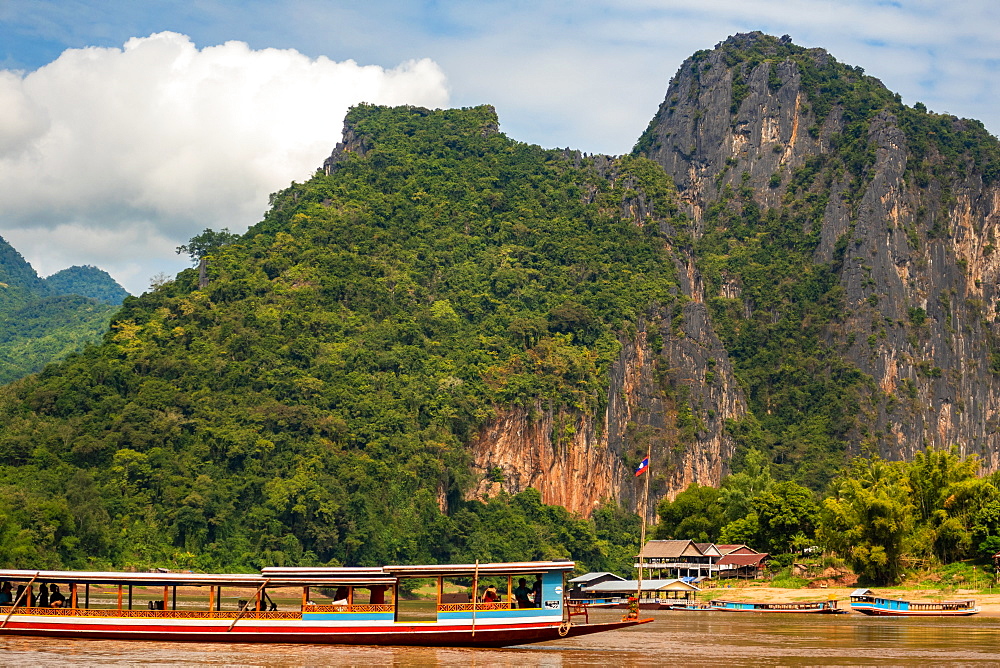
(742,559)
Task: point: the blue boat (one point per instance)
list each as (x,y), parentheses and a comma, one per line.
(828,607)
(867,603)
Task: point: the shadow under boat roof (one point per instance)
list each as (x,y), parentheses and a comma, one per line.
(288,576)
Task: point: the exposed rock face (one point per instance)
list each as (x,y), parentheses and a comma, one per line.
(649,392)
(915,258)
(909,245)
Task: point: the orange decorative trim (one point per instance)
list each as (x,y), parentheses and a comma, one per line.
(357,607)
(151,614)
(468,607)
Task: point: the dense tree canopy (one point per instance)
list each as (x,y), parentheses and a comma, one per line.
(312,403)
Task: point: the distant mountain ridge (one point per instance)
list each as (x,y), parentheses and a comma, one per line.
(42,320)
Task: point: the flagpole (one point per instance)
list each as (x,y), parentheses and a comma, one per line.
(645,503)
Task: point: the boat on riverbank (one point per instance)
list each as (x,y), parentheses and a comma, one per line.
(367,606)
(827,607)
(867,603)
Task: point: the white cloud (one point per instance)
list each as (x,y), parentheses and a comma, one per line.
(140,148)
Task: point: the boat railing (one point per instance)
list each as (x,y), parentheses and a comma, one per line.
(469,607)
(152,614)
(946,605)
(354,607)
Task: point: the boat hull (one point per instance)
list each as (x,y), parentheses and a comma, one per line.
(428,634)
(878,612)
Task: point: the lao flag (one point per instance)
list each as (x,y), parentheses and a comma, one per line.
(643,465)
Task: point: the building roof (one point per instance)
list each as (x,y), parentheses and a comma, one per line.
(625,586)
(708,549)
(740,549)
(669,549)
(588,577)
(742,559)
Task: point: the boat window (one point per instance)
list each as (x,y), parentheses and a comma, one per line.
(418,599)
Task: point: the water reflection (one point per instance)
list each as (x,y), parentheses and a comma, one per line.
(706,639)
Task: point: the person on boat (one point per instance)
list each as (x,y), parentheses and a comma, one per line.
(6,598)
(266,602)
(20,597)
(491,595)
(522,594)
(56,598)
(43,596)
(378,594)
(536,591)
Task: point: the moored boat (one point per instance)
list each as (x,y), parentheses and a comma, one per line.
(867,603)
(368,606)
(828,607)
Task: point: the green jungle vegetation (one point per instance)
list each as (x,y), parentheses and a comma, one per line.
(311,405)
(881,518)
(43,320)
(87,281)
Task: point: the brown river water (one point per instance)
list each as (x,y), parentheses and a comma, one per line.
(678,638)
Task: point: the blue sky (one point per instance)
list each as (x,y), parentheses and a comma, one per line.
(87,178)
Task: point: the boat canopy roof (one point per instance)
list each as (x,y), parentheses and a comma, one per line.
(502,568)
(288,576)
(862,592)
(191,579)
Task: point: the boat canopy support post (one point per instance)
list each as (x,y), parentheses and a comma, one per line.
(119,597)
(13,605)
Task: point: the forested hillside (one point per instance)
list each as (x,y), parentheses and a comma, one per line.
(43,320)
(442,333)
(312,403)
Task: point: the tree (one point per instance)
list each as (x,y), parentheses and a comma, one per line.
(739,490)
(784,512)
(207,242)
(868,518)
(695,514)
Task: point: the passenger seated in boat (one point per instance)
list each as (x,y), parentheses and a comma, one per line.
(536,591)
(266,602)
(56,598)
(43,596)
(21,598)
(378,594)
(491,595)
(6,598)
(522,594)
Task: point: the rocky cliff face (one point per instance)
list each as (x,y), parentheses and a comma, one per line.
(909,222)
(671,391)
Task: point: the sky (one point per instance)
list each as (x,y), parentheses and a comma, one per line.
(128,127)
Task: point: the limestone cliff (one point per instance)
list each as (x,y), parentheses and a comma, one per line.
(908,217)
(671,402)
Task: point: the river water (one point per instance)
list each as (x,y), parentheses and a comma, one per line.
(679,638)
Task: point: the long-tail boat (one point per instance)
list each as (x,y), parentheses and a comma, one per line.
(828,607)
(867,603)
(367,606)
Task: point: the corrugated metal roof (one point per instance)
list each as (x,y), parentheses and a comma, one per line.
(708,549)
(742,559)
(669,549)
(625,586)
(587,577)
(729,549)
